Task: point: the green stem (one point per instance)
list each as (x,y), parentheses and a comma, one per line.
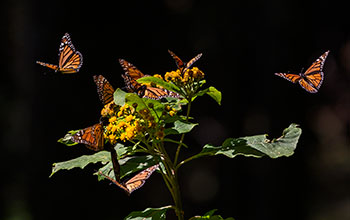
(170,178)
(183,135)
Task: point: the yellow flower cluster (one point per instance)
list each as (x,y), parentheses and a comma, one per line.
(190,75)
(109,109)
(124,125)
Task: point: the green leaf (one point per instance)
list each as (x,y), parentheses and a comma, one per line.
(81,162)
(180,127)
(119,97)
(67,139)
(212,92)
(144,103)
(149,214)
(209,216)
(160,82)
(215,94)
(256,146)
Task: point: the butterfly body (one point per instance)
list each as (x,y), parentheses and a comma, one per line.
(132,74)
(311,80)
(69,60)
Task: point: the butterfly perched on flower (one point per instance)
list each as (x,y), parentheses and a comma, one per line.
(69,60)
(104,89)
(181,65)
(312,78)
(136,181)
(91,136)
(132,74)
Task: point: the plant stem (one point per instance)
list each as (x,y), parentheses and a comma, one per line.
(183,135)
(170,178)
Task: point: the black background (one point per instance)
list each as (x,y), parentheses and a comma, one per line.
(243,44)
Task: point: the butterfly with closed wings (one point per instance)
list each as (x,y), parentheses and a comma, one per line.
(136,181)
(69,60)
(312,78)
(91,136)
(132,74)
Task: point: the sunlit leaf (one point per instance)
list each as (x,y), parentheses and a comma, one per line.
(180,127)
(67,139)
(149,214)
(119,97)
(81,162)
(212,92)
(209,216)
(256,146)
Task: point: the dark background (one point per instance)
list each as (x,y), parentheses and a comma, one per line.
(243,44)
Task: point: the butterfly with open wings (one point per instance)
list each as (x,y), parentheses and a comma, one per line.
(136,181)
(132,74)
(183,67)
(69,60)
(312,78)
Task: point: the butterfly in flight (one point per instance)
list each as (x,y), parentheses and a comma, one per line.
(69,60)
(181,65)
(136,181)
(132,74)
(312,78)
(104,89)
(92,137)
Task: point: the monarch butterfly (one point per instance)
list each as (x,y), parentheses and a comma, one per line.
(132,74)
(181,65)
(69,60)
(92,137)
(135,182)
(312,78)
(104,89)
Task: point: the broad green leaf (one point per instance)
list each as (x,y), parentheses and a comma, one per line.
(67,139)
(160,82)
(149,214)
(215,94)
(180,127)
(119,97)
(256,146)
(144,103)
(209,216)
(81,162)
(212,92)
(282,146)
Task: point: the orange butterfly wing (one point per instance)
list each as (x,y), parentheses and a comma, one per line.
(51,66)
(139,179)
(307,86)
(135,182)
(294,78)
(314,74)
(69,60)
(92,137)
(104,89)
(177,59)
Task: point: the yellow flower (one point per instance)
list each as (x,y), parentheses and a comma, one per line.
(158,76)
(172,113)
(122,137)
(129,118)
(173,76)
(130,132)
(112,119)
